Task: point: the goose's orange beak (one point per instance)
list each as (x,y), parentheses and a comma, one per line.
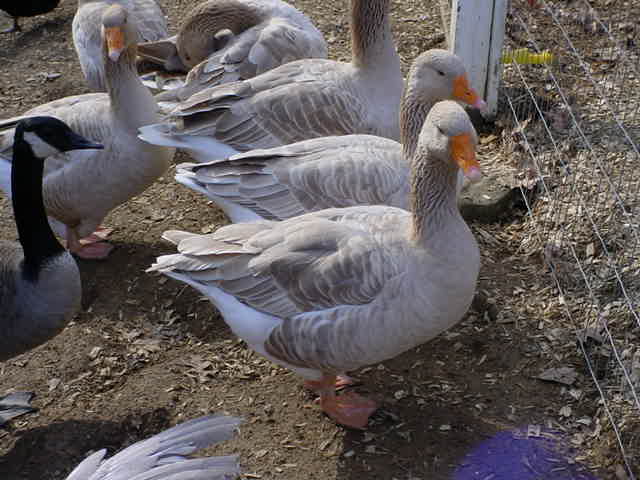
(462,91)
(463,152)
(115,42)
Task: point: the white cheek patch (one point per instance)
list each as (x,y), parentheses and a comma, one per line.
(39,147)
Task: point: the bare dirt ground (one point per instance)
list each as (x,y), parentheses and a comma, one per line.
(146,353)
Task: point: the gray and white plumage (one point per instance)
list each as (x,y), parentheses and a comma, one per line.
(34,312)
(304,99)
(257,36)
(80,188)
(336,171)
(164,456)
(334,290)
(87,24)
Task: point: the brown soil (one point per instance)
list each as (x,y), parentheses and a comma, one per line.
(147,352)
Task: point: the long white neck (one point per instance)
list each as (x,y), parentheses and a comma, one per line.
(132,104)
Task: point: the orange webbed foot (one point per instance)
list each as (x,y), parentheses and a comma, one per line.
(350,409)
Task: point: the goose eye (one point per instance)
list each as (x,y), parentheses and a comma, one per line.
(440,72)
(440,131)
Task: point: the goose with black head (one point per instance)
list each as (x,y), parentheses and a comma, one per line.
(39,280)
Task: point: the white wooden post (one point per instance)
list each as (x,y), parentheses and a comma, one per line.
(477,31)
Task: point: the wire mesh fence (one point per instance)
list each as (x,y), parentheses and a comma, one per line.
(575,119)
(570,101)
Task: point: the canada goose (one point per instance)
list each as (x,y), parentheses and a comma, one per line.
(87,39)
(78,194)
(25,8)
(221,41)
(332,291)
(163,456)
(338,171)
(304,99)
(39,280)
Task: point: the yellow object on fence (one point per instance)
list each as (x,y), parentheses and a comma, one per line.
(524,56)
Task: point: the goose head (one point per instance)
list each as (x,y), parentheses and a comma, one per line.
(194,46)
(118,31)
(47,136)
(448,135)
(439,74)
(210,26)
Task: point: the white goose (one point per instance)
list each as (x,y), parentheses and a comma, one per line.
(164,456)
(87,39)
(334,290)
(340,171)
(222,41)
(299,100)
(80,193)
(40,286)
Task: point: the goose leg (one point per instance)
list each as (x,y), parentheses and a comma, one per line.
(350,409)
(342,381)
(96,250)
(14,405)
(14,28)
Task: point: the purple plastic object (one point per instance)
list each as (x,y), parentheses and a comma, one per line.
(522,455)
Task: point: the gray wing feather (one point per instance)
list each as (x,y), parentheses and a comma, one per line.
(317,261)
(279,42)
(311,175)
(259,49)
(293,102)
(321,273)
(74,112)
(162,456)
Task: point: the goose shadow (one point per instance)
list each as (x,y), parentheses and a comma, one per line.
(121,283)
(25,39)
(58,447)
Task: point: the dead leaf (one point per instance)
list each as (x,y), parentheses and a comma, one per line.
(563,375)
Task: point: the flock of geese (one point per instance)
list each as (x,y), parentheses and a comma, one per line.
(346,246)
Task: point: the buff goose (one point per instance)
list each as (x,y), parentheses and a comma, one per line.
(334,290)
(338,171)
(222,41)
(39,280)
(87,39)
(80,193)
(164,456)
(25,8)
(304,99)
